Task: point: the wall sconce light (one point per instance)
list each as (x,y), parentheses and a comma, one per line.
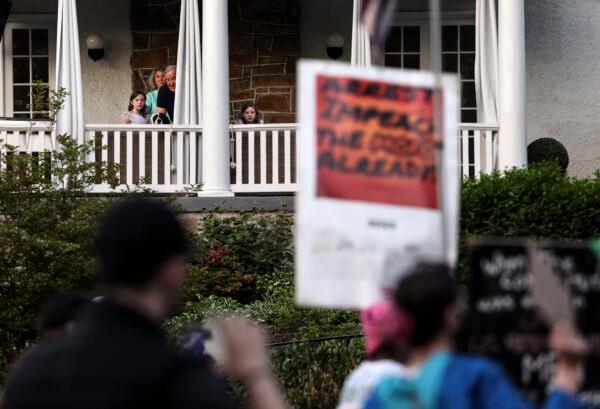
(335,46)
(95,45)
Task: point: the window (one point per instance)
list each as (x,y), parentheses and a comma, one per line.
(403,47)
(28,59)
(408,47)
(458,56)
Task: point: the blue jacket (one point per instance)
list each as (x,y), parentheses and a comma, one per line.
(465,382)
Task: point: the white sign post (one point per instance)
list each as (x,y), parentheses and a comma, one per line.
(369,204)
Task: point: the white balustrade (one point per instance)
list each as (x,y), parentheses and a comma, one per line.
(478,149)
(264,158)
(168,159)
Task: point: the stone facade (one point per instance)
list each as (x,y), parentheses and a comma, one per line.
(264,45)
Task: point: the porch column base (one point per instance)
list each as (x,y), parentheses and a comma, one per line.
(216,193)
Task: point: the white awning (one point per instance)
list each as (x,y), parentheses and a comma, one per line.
(68,71)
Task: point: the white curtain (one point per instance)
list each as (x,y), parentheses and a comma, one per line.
(189,74)
(486,61)
(68,71)
(361,42)
(188,93)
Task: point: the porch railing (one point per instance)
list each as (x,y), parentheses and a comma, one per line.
(478,148)
(168,159)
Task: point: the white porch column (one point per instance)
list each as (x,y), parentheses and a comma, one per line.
(215,99)
(512,138)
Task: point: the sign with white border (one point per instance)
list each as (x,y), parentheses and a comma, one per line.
(368,203)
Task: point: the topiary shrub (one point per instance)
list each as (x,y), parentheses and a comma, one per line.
(547,149)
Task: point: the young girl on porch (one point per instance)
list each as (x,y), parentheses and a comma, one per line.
(137,109)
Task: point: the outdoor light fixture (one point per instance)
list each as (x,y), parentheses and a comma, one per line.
(335,46)
(95,45)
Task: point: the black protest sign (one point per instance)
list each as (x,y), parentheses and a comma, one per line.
(505,323)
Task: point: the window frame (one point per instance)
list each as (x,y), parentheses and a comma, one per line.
(421,19)
(24,21)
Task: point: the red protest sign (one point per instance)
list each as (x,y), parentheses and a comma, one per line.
(375,142)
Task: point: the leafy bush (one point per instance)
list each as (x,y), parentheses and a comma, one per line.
(238,250)
(312,374)
(547,149)
(46,226)
(540,201)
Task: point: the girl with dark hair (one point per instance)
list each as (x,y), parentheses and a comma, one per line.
(248,114)
(136,108)
(443,379)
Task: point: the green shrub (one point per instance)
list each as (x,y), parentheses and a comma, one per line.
(540,201)
(46,228)
(312,374)
(237,251)
(547,149)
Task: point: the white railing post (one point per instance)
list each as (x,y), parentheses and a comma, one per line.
(215,98)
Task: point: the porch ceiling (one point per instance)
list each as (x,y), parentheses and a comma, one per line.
(447,5)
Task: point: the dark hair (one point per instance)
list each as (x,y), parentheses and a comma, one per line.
(244,108)
(425,293)
(60,309)
(133,96)
(135,238)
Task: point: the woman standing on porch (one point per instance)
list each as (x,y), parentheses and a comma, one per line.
(156,80)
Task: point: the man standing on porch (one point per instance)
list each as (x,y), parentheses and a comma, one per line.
(166,94)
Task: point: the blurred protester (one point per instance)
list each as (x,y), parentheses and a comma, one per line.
(385,328)
(136,110)
(116,356)
(58,313)
(155,81)
(248,114)
(165,101)
(442,379)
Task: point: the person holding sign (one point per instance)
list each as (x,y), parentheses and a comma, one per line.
(444,379)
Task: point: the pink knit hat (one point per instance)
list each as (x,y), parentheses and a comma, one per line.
(382,323)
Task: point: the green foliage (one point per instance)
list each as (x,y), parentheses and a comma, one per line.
(547,149)
(46,227)
(45,230)
(247,269)
(238,250)
(312,374)
(540,201)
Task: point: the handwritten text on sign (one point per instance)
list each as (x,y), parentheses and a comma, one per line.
(375,142)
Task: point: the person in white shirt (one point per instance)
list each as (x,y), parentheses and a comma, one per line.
(385,328)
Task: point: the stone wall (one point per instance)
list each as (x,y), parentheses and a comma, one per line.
(154,31)
(264,44)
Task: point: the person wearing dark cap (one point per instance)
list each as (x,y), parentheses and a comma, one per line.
(116,356)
